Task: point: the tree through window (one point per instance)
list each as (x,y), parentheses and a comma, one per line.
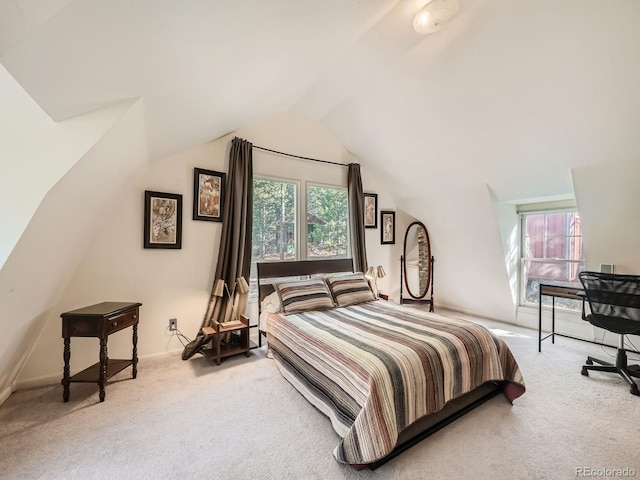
(278,227)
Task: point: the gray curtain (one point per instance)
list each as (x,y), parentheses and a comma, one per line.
(356,218)
(234,256)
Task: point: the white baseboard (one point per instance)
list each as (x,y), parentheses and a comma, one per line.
(567,322)
(57,377)
(5,394)
(39,381)
(472,313)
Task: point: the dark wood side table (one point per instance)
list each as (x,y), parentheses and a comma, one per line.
(218,350)
(99,321)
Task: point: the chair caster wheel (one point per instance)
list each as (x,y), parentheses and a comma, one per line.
(585,372)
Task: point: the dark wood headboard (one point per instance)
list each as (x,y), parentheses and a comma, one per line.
(275,270)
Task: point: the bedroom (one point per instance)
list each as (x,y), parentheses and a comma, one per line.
(551,113)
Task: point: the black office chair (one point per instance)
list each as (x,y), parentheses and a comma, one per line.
(614,301)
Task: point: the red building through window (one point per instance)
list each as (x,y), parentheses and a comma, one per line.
(552,250)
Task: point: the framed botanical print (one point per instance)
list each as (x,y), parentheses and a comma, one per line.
(370,210)
(162,220)
(388,231)
(208,195)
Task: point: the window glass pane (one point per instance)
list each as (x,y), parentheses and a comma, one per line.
(535,272)
(274,223)
(534,247)
(327,222)
(556,247)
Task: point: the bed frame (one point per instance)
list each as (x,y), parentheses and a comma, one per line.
(274,270)
(269,272)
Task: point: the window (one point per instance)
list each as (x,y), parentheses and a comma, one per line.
(279,235)
(551,251)
(274,221)
(327,222)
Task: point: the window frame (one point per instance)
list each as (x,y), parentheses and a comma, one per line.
(301,230)
(522,215)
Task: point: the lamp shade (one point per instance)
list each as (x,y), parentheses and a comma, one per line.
(241,285)
(434,15)
(218,288)
(381,272)
(371,272)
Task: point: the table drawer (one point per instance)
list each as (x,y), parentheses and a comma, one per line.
(119,322)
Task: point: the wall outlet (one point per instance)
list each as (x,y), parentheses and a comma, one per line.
(173,324)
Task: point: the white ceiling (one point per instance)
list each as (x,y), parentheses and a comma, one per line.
(512,93)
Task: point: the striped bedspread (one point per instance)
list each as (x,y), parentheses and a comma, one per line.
(376,367)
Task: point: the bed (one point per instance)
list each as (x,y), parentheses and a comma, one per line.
(386,375)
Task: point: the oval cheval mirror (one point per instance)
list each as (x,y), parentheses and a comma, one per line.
(416,265)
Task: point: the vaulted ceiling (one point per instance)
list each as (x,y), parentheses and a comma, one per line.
(511,93)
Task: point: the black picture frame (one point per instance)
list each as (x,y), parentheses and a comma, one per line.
(208,194)
(370,210)
(387,227)
(162,220)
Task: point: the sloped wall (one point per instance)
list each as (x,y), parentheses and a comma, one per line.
(470,272)
(54,243)
(608,198)
(35,152)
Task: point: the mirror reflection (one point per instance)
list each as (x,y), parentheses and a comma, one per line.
(417,263)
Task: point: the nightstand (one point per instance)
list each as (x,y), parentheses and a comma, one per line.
(228,338)
(99,321)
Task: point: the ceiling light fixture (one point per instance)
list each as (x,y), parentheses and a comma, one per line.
(434,15)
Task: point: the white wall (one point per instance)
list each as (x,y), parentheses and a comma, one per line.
(608,198)
(35,152)
(73,211)
(470,272)
(507,218)
(176,283)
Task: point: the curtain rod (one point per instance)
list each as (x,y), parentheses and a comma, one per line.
(303,158)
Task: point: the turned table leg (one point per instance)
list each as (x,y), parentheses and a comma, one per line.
(67,372)
(134,360)
(103,367)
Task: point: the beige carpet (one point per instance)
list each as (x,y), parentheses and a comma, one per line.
(242,420)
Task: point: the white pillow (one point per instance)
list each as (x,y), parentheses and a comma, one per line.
(271,303)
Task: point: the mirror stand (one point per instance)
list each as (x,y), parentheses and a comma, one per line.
(416,266)
(414,300)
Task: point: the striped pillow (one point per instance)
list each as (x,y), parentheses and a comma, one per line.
(350,289)
(304,295)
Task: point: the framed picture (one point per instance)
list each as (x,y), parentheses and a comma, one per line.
(388,231)
(162,220)
(370,210)
(208,193)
